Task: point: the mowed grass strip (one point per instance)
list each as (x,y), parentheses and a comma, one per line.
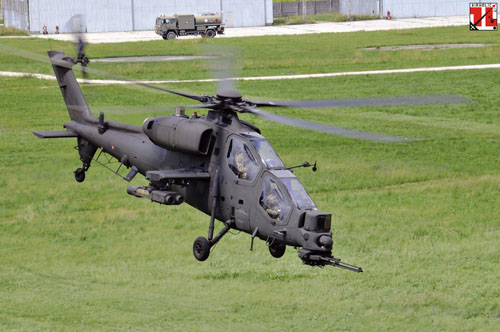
(271,55)
(421,218)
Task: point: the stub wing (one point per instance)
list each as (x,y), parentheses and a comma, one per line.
(178,174)
(55,134)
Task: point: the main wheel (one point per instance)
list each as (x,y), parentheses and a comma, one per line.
(201,248)
(79,175)
(277,250)
(210,33)
(171,35)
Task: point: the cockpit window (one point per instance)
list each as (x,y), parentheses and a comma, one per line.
(267,154)
(241,160)
(299,195)
(273,201)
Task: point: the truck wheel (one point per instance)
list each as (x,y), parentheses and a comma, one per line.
(171,35)
(210,33)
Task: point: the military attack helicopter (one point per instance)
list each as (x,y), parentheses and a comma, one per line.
(218,164)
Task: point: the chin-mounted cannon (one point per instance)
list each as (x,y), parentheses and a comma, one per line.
(318,243)
(321,259)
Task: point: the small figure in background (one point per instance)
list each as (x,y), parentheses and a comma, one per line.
(57,29)
(44,31)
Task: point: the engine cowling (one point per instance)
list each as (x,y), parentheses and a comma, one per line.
(178,133)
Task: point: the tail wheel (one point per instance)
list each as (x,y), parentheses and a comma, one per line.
(80,175)
(171,35)
(277,250)
(201,248)
(210,33)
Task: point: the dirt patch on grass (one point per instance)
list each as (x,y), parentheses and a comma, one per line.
(425,47)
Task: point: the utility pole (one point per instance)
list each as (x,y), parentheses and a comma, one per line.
(350,8)
(304,11)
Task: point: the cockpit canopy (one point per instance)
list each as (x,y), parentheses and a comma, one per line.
(244,162)
(296,190)
(266,152)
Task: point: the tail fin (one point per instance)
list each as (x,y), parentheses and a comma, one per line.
(78,108)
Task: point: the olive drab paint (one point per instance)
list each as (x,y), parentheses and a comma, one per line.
(216,163)
(171,27)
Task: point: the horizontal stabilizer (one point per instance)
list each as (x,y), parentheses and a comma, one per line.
(55,134)
(180,174)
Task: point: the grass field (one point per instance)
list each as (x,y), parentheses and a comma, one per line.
(421,218)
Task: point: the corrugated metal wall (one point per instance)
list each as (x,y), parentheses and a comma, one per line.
(360,7)
(16,13)
(312,7)
(128,15)
(406,8)
(146,11)
(425,8)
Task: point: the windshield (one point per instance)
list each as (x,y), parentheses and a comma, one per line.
(267,153)
(273,201)
(241,160)
(299,195)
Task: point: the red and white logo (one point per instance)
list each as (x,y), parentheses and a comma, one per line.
(483,15)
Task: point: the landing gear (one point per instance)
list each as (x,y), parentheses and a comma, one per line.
(277,250)
(80,175)
(202,246)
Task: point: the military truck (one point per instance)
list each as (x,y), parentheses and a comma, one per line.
(206,25)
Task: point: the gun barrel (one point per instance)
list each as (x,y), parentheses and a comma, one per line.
(336,262)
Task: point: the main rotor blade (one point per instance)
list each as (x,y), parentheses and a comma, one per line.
(326,129)
(382,101)
(68,62)
(222,64)
(145,109)
(121,78)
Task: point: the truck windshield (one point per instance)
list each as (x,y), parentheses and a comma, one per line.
(267,154)
(299,195)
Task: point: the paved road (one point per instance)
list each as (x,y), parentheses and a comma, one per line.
(326,27)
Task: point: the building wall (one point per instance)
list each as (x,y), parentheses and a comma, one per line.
(128,15)
(312,7)
(360,7)
(426,8)
(16,13)
(146,11)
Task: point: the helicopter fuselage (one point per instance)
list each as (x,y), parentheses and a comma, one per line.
(216,163)
(244,195)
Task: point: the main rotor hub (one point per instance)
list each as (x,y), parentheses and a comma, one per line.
(228,94)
